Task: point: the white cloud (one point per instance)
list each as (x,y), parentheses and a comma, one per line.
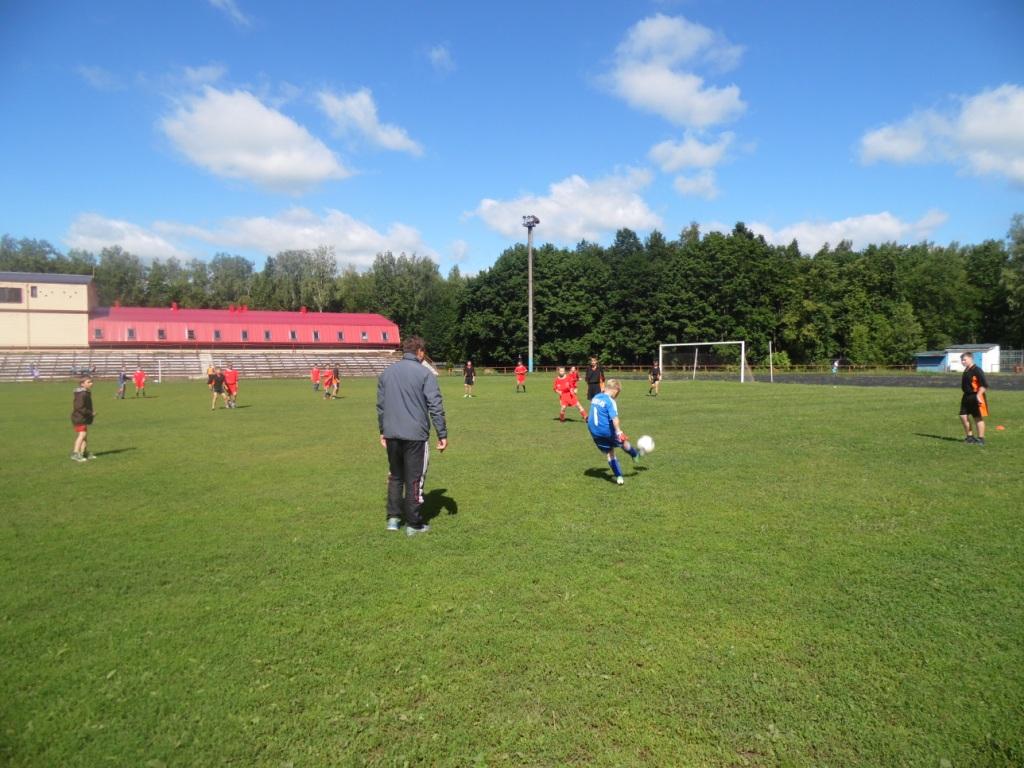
(459,250)
(649,75)
(872,228)
(356,113)
(690,153)
(701,185)
(230,7)
(355,242)
(211,73)
(982,134)
(576,209)
(236,136)
(99,78)
(441,59)
(92,232)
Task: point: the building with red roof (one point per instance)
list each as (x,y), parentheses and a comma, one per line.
(238,327)
(59,311)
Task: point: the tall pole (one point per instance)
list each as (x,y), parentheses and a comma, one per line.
(529,222)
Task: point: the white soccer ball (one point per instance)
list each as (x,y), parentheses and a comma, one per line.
(645,444)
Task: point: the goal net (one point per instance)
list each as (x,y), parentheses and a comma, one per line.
(721,360)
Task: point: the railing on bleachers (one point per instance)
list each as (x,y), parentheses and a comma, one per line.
(21,365)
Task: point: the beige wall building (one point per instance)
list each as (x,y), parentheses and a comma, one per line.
(39,311)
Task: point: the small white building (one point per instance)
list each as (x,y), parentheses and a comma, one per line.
(986,357)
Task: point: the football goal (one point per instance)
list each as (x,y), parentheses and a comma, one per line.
(725,360)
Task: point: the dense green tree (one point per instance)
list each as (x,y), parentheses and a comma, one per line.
(120,277)
(878,305)
(230,280)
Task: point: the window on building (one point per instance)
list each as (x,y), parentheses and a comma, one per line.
(245,335)
(97,334)
(33,292)
(161,334)
(341,335)
(384,336)
(10,295)
(190,335)
(131,334)
(364,336)
(266,335)
(316,335)
(293,335)
(216,335)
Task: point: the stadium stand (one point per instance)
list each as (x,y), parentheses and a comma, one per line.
(187,364)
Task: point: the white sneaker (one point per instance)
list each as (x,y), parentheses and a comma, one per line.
(77,457)
(394,523)
(619,480)
(411,531)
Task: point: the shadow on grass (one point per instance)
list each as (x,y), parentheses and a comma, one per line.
(435,501)
(941,437)
(607,476)
(581,421)
(113,451)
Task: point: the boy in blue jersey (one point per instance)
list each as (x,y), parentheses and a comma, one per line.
(605,428)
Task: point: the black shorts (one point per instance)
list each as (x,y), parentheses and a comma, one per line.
(969,406)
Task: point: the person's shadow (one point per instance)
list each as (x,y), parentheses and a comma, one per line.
(940,437)
(607,475)
(435,501)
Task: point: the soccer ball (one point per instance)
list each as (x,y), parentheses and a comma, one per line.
(645,444)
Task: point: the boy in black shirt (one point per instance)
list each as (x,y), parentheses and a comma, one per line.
(973,402)
(82,415)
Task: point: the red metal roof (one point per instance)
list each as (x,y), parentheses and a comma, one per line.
(168,315)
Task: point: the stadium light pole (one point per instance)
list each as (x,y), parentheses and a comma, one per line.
(529,222)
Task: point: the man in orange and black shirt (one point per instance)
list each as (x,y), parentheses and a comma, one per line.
(973,403)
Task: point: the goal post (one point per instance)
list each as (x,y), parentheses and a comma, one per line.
(704,355)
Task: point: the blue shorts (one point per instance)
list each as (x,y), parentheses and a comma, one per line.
(606,443)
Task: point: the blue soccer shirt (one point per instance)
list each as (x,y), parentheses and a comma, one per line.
(602,411)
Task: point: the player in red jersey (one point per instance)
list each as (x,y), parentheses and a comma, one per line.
(314,376)
(231,384)
(520,372)
(574,378)
(139,377)
(567,395)
(327,377)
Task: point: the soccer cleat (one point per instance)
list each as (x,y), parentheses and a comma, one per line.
(970,439)
(394,523)
(411,531)
(77,457)
(89,456)
(979,441)
(619,480)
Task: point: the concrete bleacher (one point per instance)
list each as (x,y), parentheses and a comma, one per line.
(187,364)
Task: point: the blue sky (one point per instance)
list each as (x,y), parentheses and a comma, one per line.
(250,127)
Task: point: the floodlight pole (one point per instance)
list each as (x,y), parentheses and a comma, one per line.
(529,222)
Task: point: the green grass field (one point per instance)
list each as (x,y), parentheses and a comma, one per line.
(799,576)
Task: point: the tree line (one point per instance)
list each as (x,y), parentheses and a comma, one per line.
(878,305)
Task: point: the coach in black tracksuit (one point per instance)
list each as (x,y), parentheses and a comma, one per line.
(408,400)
